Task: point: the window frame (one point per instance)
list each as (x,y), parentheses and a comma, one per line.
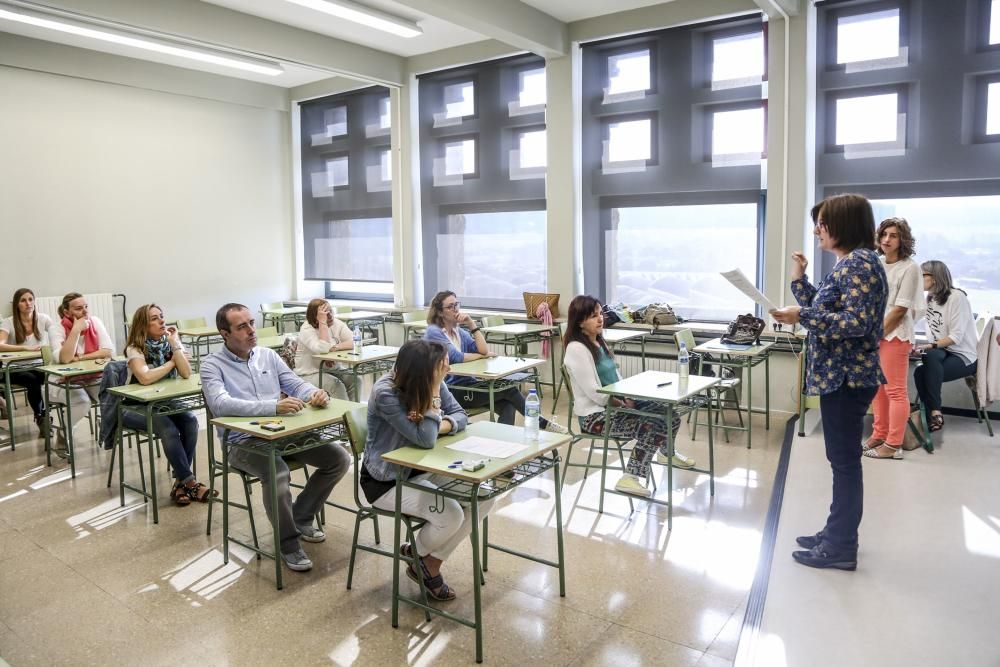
(708,126)
(476,107)
(708,53)
(834,16)
(981,109)
(445,141)
(654,138)
(635,46)
(902,106)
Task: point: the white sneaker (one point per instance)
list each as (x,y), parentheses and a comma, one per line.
(631,485)
(297,560)
(555,427)
(311,534)
(679,461)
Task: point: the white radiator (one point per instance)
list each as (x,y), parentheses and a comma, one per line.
(100,305)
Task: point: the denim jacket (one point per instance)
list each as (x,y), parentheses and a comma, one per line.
(389,428)
(844,318)
(115,374)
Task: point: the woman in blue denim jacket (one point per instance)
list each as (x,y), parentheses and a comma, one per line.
(844,320)
(412,407)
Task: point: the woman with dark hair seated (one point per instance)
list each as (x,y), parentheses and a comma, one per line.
(26,330)
(591,366)
(412,407)
(444,320)
(951,330)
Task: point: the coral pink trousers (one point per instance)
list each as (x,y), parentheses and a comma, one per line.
(892,404)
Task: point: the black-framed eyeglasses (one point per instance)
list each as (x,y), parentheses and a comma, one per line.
(453,306)
(928,275)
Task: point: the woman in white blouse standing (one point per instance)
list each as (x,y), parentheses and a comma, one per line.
(78,336)
(951,330)
(904,306)
(26,330)
(322,333)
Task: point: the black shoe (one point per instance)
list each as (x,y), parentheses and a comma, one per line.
(42,423)
(809,541)
(819,557)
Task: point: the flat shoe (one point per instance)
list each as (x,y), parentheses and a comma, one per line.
(884,451)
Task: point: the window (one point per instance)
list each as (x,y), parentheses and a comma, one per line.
(460,157)
(994,37)
(867,119)
(668,253)
(532,87)
(482,196)
(459,100)
(384,113)
(967,248)
(493,257)
(871,36)
(346,194)
(738,136)
(993,108)
(738,59)
(628,72)
(630,141)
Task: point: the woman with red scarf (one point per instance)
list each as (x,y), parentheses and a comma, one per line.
(76,337)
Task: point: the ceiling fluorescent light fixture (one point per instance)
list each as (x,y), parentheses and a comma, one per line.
(145,43)
(372,18)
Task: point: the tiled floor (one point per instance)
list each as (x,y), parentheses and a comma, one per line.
(927,585)
(84,581)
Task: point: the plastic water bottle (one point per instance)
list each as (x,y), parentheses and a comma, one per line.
(532,412)
(683,362)
(357,341)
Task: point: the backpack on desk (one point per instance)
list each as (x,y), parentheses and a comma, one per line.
(744,330)
(659,314)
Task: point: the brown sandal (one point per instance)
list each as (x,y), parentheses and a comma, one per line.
(180,495)
(200,493)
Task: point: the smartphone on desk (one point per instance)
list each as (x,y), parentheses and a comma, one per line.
(273,427)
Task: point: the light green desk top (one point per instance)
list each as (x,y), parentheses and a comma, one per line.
(718,347)
(160,391)
(417,324)
(438,459)
(494,367)
(289,310)
(308,419)
(520,328)
(75,368)
(359,315)
(368,353)
(644,386)
(198,331)
(619,335)
(273,342)
(23,355)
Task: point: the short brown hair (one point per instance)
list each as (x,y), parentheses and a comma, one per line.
(849,220)
(312,312)
(907,245)
(222,315)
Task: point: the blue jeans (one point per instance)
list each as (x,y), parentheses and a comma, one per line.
(843,413)
(939,366)
(179,435)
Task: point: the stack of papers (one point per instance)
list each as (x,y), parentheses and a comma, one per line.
(487,447)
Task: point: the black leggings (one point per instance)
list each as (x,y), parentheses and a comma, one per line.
(32,382)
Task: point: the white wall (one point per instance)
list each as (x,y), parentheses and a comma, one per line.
(160,196)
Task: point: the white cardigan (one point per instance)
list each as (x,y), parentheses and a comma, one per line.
(583,376)
(988,371)
(310,343)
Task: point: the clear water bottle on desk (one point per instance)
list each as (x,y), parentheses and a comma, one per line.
(532,413)
(683,362)
(357,341)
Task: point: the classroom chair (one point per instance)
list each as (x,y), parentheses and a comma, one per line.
(724,395)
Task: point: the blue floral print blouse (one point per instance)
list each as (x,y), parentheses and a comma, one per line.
(844,320)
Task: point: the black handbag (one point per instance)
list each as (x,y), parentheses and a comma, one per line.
(744,330)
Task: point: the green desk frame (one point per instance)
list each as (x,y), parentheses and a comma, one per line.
(374,359)
(72,375)
(490,375)
(519,335)
(11,362)
(746,359)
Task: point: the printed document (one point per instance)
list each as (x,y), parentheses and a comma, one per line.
(487,447)
(743,284)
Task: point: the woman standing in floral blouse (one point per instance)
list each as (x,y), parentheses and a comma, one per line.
(844,320)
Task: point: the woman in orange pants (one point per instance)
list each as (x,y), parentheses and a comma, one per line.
(904,306)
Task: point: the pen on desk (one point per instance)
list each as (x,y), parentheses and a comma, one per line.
(664,384)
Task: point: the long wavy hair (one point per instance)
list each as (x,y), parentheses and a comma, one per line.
(140,325)
(20,335)
(582,307)
(435,313)
(416,364)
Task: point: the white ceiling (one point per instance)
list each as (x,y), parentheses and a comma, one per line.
(568,11)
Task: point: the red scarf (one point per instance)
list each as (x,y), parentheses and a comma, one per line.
(91,341)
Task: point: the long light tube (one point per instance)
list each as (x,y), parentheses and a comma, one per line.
(372,18)
(145,43)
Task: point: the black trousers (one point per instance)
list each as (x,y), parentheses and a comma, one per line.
(507,403)
(939,366)
(32,382)
(843,413)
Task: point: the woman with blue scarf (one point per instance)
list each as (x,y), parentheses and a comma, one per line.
(154,352)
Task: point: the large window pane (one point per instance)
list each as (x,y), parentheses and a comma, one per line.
(630,140)
(337,171)
(963,233)
(459,100)
(531,146)
(532,87)
(995,22)
(460,157)
(671,254)
(868,119)
(868,36)
(491,258)
(628,72)
(384,113)
(737,58)
(739,132)
(993,108)
(355,250)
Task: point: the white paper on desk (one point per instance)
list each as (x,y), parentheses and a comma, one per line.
(744,285)
(487,447)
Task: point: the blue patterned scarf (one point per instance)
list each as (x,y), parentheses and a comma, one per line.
(158,352)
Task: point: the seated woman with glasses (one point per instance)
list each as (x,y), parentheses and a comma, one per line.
(444,319)
(951,330)
(412,407)
(591,366)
